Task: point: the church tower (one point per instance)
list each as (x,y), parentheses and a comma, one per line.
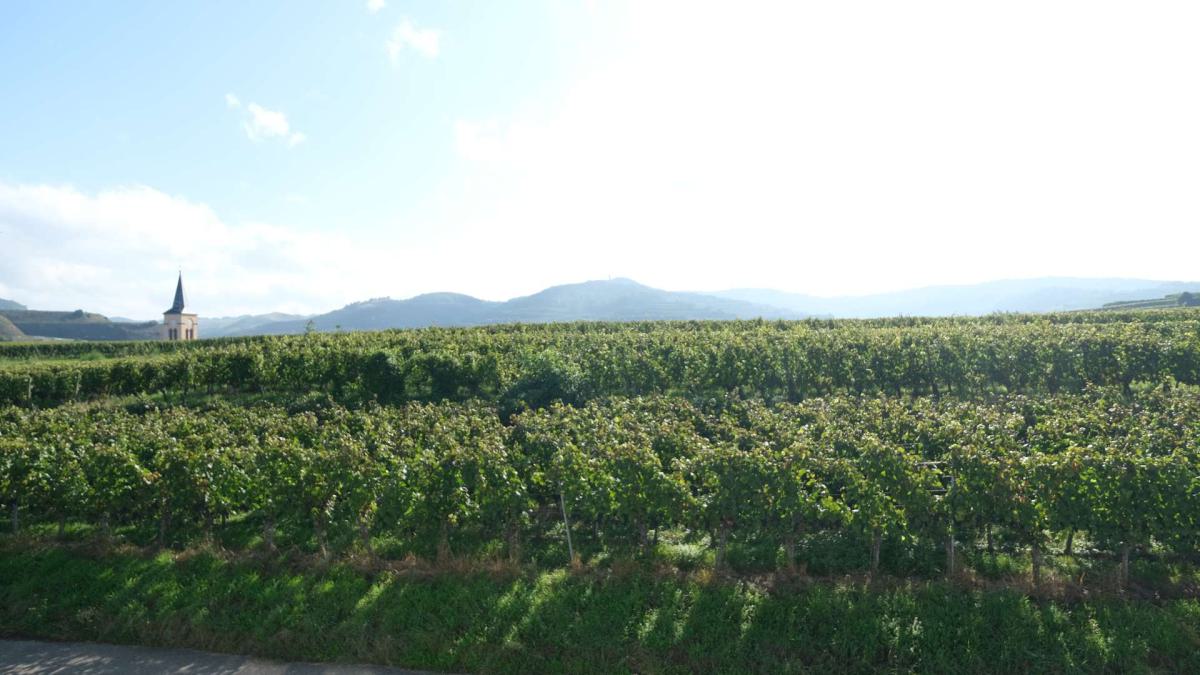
(176,324)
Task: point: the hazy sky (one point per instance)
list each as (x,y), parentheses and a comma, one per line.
(298,156)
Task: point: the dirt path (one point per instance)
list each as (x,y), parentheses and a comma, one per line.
(27,657)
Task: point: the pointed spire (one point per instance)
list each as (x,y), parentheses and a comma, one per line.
(177,307)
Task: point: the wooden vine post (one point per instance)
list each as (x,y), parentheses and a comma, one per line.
(942,492)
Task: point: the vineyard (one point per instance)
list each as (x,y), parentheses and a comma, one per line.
(507,365)
(1035,451)
(613,474)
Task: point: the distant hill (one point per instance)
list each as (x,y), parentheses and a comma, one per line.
(1185,299)
(9,330)
(627,300)
(1048,294)
(613,300)
(78,325)
(81,325)
(240,325)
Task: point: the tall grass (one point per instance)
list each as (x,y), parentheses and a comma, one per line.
(621,620)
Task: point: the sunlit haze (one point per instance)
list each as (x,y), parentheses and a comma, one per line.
(300,156)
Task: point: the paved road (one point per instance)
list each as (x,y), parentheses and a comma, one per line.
(26,657)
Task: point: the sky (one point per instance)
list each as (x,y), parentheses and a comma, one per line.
(297,156)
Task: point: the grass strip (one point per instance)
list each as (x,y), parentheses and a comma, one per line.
(557,621)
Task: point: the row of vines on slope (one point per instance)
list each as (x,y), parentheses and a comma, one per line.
(75,350)
(521,367)
(613,473)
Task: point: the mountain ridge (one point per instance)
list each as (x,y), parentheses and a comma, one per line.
(76,325)
(1040,294)
(611,300)
(624,299)
(627,300)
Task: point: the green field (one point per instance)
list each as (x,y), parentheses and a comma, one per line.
(1011,493)
(1166,302)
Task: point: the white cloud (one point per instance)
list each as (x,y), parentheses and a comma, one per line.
(262,124)
(116,251)
(424,41)
(265,123)
(373,6)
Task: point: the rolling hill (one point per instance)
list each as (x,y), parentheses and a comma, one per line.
(1185,299)
(627,300)
(246,323)
(9,330)
(1047,294)
(613,300)
(78,325)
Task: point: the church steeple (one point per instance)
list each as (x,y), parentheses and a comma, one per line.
(177,307)
(178,325)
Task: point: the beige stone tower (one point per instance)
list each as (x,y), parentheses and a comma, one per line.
(176,324)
